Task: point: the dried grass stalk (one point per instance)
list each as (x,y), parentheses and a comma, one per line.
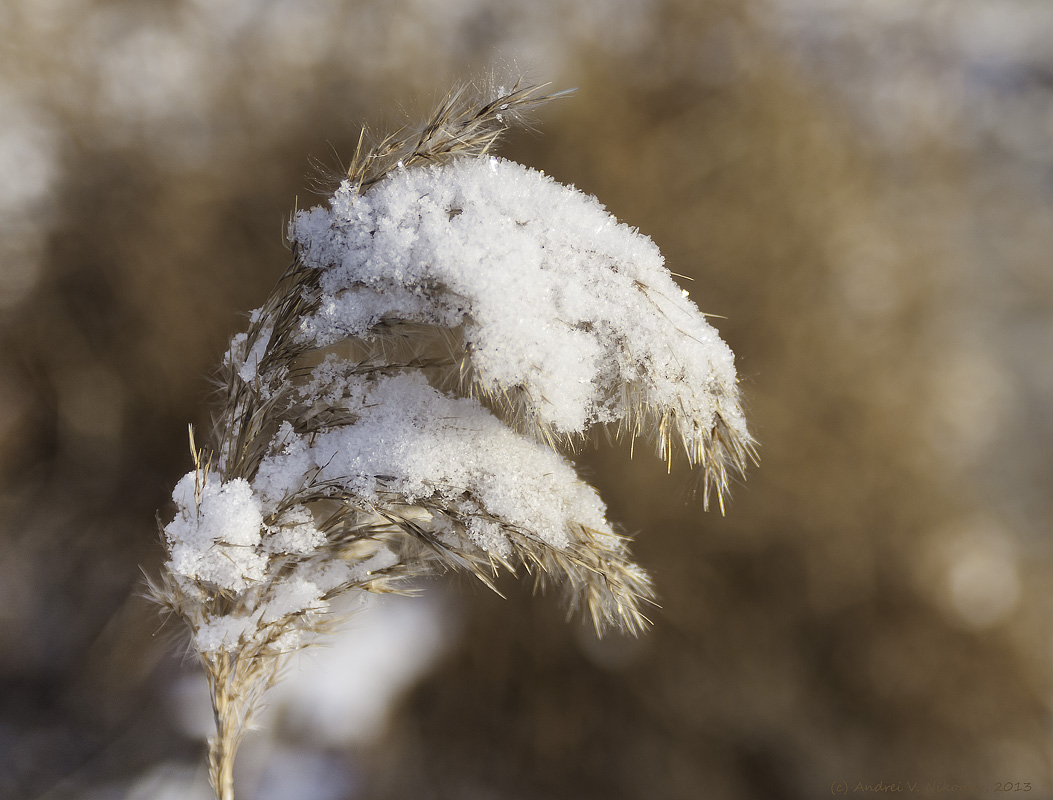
(370,432)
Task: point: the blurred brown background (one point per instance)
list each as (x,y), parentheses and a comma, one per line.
(864,191)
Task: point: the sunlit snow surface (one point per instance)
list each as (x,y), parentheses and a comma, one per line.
(559,301)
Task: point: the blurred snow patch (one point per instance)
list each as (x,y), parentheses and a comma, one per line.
(292,774)
(189,705)
(956,71)
(1003,32)
(974,398)
(152,73)
(343,692)
(27,157)
(165,781)
(172,781)
(970,568)
(28,173)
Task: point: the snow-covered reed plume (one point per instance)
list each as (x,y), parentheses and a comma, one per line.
(398,404)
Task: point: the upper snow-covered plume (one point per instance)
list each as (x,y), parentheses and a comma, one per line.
(567,318)
(449,323)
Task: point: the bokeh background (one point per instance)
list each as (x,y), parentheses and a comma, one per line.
(863,191)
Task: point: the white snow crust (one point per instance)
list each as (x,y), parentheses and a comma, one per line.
(414,442)
(217,540)
(557,298)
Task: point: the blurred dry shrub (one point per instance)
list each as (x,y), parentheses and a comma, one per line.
(875,606)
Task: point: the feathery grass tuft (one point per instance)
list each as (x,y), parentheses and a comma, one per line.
(399,403)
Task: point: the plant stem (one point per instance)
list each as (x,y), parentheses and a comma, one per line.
(223,745)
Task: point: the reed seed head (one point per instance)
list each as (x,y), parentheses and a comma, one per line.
(450,325)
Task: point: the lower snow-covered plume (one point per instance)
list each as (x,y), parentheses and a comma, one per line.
(449,325)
